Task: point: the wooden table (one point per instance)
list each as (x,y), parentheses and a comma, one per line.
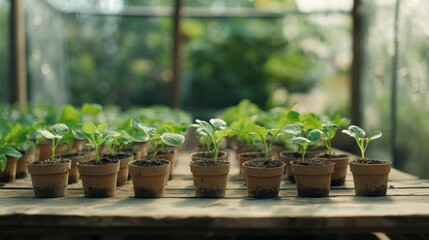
(404,210)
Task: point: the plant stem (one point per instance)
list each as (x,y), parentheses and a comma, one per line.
(53,149)
(97,157)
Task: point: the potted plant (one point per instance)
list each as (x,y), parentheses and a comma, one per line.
(369,176)
(8,158)
(50,177)
(210,174)
(312,176)
(150,175)
(263,176)
(120,142)
(99,175)
(341,161)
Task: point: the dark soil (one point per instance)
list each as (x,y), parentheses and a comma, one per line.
(204,163)
(117,156)
(254,155)
(72,155)
(326,155)
(264,193)
(145,193)
(264,163)
(209,155)
(49,192)
(338,182)
(298,155)
(210,193)
(150,163)
(313,192)
(309,162)
(103,161)
(369,161)
(47,162)
(99,192)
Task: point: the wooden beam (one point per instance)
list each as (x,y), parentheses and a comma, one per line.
(176,57)
(18,64)
(356,107)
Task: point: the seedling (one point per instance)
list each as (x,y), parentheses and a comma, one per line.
(304,142)
(212,133)
(121,141)
(359,135)
(95,134)
(55,133)
(7,151)
(158,139)
(328,133)
(264,134)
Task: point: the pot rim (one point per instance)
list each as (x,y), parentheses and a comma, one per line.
(384,162)
(161,166)
(282,166)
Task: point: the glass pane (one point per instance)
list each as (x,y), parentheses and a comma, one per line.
(4,50)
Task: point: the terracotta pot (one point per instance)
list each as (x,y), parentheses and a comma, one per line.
(287,157)
(123,169)
(171,157)
(21,166)
(338,177)
(370,179)
(263,182)
(99,181)
(74,158)
(78,145)
(141,146)
(46,152)
(313,181)
(277,149)
(222,156)
(149,181)
(9,173)
(210,181)
(49,180)
(316,150)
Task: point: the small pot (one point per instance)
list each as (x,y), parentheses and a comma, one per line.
(370,179)
(277,149)
(45,151)
(263,182)
(312,180)
(99,180)
(171,157)
(74,158)
(149,180)
(287,157)
(248,156)
(123,169)
(222,156)
(49,179)
(210,178)
(78,145)
(338,177)
(9,173)
(21,166)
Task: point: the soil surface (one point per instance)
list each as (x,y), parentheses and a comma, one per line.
(47,162)
(298,155)
(309,162)
(117,156)
(150,163)
(72,155)
(204,163)
(103,161)
(254,155)
(264,163)
(326,155)
(209,155)
(369,161)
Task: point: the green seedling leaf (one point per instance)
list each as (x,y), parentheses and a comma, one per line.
(374,135)
(357,131)
(173,139)
(77,131)
(218,124)
(300,140)
(60,129)
(201,132)
(3,162)
(10,152)
(89,128)
(91,108)
(310,121)
(348,133)
(45,133)
(292,129)
(256,129)
(314,135)
(112,134)
(149,131)
(221,134)
(205,125)
(101,127)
